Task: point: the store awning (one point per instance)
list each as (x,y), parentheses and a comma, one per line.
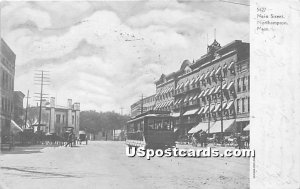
(228,126)
(212,107)
(224,85)
(231,65)
(217,107)
(202,77)
(196,96)
(218,70)
(230,103)
(211,91)
(206,75)
(179,86)
(15,128)
(205,109)
(197,79)
(175,114)
(217,89)
(201,94)
(192,82)
(191,97)
(224,105)
(212,73)
(199,127)
(186,99)
(230,85)
(247,128)
(186,83)
(206,92)
(201,110)
(191,112)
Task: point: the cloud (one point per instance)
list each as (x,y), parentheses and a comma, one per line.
(106,54)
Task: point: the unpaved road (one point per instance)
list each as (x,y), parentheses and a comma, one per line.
(105,165)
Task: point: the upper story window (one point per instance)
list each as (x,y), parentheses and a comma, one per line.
(58,118)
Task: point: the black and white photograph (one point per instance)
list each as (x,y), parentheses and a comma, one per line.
(130,94)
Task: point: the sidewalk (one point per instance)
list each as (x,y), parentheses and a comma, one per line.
(26,149)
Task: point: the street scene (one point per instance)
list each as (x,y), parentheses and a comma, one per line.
(82,82)
(105,165)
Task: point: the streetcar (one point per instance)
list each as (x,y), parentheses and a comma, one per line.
(153,129)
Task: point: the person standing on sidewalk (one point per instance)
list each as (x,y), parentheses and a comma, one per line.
(70,140)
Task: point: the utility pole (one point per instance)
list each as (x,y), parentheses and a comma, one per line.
(41,78)
(25,124)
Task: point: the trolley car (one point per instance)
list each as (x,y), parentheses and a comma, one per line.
(153,129)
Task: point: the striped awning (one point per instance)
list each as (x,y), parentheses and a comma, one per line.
(201,110)
(217,107)
(191,112)
(202,77)
(201,94)
(212,73)
(231,65)
(212,107)
(230,85)
(211,91)
(218,70)
(229,105)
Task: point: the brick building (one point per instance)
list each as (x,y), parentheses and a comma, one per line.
(148,103)
(61,117)
(7,73)
(211,93)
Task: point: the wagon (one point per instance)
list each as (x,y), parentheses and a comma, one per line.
(82,137)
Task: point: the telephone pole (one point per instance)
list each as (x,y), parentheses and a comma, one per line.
(41,78)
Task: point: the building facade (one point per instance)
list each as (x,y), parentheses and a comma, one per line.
(63,117)
(148,103)
(211,93)
(7,73)
(18,108)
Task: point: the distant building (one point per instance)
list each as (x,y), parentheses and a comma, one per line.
(7,73)
(148,103)
(62,117)
(18,108)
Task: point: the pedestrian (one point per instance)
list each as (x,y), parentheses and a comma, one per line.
(69,140)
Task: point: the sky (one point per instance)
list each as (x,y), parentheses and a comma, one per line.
(106,54)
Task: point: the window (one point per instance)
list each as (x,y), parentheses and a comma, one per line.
(248,104)
(63,119)
(248,83)
(57,118)
(244,85)
(243,105)
(237,106)
(73,119)
(238,85)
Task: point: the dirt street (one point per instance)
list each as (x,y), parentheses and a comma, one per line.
(105,165)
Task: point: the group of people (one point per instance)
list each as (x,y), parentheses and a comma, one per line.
(199,137)
(236,139)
